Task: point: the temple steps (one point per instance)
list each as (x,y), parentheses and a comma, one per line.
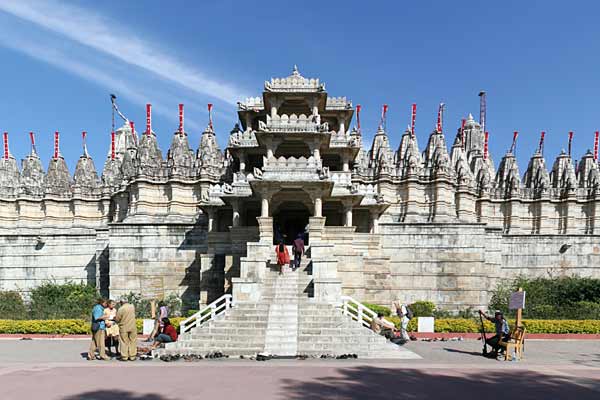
(286,322)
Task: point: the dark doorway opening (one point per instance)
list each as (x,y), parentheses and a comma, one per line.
(290,220)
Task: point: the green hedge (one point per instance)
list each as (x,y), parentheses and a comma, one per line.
(463,325)
(58,326)
(77,326)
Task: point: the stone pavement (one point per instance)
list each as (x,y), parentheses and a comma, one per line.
(53,369)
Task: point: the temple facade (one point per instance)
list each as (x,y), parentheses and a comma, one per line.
(440,223)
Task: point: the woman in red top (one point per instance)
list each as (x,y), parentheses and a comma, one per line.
(168,334)
(283,257)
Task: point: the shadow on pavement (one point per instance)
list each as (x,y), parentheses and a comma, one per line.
(115,395)
(471,353)
(381,383)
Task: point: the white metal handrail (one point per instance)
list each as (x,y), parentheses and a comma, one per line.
(211,311)
(358,311)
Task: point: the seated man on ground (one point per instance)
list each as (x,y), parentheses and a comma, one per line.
(502,331)
(384,328)
(168,334)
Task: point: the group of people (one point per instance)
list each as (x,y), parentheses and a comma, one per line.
(116,328)
(283,256)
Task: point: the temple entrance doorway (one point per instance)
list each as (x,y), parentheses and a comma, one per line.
(290,220)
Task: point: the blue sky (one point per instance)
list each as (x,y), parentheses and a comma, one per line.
(538,61)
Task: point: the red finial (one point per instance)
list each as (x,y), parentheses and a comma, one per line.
(413,120)
(210,123)
(148,118)
(570,141)
(55,145)
(132,126)
(541,147)
(358,107)
(383,113)
(181,118)
(596,146)
(485,146)
(6,145)
(112,145)
(32,138)
(440,118)
(462,133)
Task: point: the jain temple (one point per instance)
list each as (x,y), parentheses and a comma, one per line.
(437,221)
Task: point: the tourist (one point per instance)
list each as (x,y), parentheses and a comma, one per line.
(98,331)
(402,311)
(168,334)
(112,328)
(163,312)
(502,332)
(381,326)
(283,257)
(127,330)
(298,251)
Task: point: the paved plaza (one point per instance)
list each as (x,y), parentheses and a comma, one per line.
(55,369)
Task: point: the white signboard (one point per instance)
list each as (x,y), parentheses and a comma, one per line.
(425,324)
(148,326)
(517,300)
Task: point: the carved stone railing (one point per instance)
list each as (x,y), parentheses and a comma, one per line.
(293,123)
(252,103)
(243,139)
(292,168)
(341,178)
(338,103)
(342,140)
(294,83)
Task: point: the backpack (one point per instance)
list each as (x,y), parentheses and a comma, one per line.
(409,312)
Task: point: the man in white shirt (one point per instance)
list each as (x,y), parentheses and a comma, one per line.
(401,311)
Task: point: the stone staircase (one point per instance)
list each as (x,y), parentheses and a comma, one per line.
(286,322)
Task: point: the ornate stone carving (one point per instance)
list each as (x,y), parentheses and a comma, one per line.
(10,178)
(149,156)
(180,158)
(32,177)
(85,175)
(58,180)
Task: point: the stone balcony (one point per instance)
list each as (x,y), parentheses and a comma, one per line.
(293,124)
(292,169)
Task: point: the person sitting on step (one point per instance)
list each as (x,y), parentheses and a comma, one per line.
(383,327)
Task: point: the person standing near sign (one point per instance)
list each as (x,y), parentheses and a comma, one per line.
(502,331)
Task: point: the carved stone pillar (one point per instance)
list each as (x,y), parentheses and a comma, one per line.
(374,221)
(318,207)
(211,214)
(414,201)
(264,209)
(348,213)
(265,226)
(235,207)
(242,162)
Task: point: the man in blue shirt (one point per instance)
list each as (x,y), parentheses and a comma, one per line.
(502,331)
(98,331)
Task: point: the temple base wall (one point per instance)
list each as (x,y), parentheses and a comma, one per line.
(31,257)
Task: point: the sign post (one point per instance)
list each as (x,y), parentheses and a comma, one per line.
(517,302)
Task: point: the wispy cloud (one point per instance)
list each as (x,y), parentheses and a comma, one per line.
(95,31)
(60,59)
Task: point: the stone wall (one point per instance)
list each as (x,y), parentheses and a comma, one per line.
(29,258)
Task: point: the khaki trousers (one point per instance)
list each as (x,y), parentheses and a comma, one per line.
(128,344)
(97,343)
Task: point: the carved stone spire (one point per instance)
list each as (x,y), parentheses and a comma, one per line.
(180,158)
(435,157)
(149,155)
(587,172)
(381,155)
(508,179)
(85,175)
(563,173)
(58,179)
(408,157)
(209,158)
(10,177)
(32,177)
(536,176)
(458,158)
